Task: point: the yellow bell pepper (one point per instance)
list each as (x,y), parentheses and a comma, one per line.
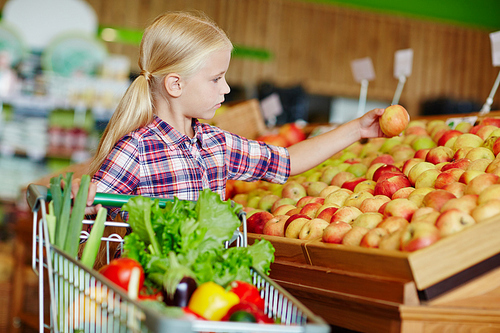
(212,301)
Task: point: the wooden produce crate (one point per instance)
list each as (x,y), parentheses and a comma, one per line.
(435,269)
(286,249)
(243,118)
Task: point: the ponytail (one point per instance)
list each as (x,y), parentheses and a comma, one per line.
(134,110)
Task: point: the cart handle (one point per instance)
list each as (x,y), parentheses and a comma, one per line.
(36,193)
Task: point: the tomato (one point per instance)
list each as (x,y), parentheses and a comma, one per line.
(119,272)
(248,292)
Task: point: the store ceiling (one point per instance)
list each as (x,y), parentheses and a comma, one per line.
(483,14)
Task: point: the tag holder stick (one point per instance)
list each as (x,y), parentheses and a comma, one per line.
(487,106)
(399,90)
(362,97)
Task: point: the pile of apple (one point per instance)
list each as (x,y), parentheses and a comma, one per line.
(401,192)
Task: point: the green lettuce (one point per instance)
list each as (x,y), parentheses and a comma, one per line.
(187,238)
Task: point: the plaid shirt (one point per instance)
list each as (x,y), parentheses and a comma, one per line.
(157,160)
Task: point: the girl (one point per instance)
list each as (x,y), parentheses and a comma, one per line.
(154,144)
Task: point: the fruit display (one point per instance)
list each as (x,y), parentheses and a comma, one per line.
(398,193)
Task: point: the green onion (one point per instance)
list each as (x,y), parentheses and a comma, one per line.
(94,241)
(64,213)
(78,214)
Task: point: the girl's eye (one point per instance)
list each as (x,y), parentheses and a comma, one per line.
(217,79)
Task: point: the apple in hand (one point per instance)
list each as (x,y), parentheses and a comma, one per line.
(453,221)
(418,235)
(335,232)
(394,120)
(276,226)
(256,222)
(313,229)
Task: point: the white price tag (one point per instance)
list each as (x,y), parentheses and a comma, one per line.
(453,122)
(271,106)
(362,69)
(403,62)
(495,48)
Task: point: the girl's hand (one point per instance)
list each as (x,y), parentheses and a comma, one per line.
(369,126)
(90,209)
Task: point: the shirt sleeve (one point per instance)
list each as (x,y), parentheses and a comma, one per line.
(252,160)
(119,172)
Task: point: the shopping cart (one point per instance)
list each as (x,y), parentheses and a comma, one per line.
(81,299)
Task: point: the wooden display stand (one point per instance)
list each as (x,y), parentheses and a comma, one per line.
(451,286)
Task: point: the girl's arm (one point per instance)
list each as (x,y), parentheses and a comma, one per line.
(311,152)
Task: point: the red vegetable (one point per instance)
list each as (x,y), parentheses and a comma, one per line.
(119,272)
(148,295)
(248,292)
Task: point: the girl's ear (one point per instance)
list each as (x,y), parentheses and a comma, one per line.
(172,84)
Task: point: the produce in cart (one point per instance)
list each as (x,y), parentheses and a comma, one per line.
(180,249)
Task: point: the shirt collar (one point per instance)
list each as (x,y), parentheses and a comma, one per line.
(173,137)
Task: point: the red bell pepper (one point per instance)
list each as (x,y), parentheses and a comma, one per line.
(249,293)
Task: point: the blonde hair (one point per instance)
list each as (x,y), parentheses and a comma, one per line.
(176,42)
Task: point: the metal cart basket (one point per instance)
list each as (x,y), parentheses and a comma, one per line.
(81,299)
